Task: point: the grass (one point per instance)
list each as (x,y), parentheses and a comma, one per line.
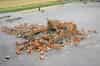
(29,6)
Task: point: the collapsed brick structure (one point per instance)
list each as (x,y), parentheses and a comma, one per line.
(42,38)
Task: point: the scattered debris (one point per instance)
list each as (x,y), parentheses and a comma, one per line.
(13,19)
(5,17)
(7,58)
(92,31)
(42,38)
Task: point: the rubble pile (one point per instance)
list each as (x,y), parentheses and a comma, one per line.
(55,35)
